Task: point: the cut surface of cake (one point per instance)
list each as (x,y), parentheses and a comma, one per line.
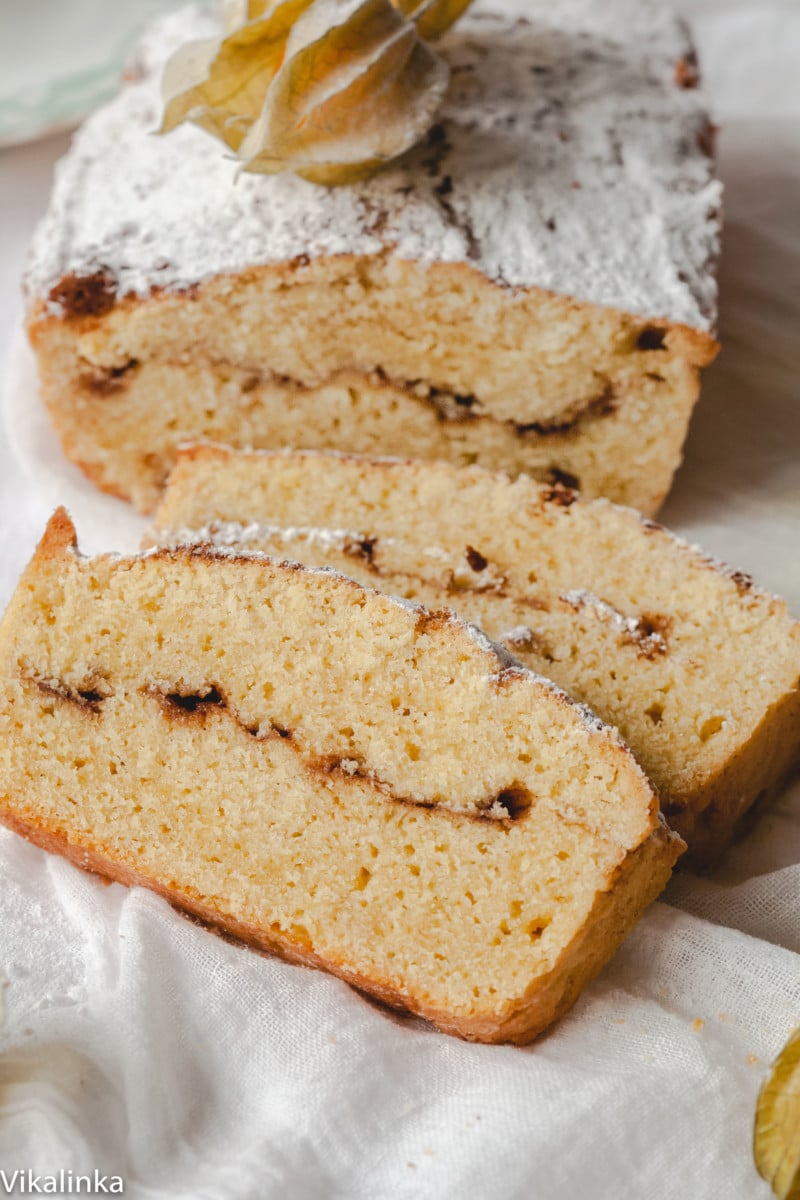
(531,288)
(698,668)
(326,772)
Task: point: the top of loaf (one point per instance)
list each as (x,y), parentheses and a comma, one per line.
(571,155)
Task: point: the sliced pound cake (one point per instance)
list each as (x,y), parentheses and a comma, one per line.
(532,287)
(698,668)
(326,772)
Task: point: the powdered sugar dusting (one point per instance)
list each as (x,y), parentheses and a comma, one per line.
(234,533)
(629,627)
(520,636)
(580,598)
(567,158)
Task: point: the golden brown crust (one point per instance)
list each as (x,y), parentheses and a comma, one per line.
(712,818)
(84,296)
(59,536)
(639,881)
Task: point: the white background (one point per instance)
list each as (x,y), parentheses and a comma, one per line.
(132,1041)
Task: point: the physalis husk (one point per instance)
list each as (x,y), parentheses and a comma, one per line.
(776,1140)
(433,17)
(330,89)
(220,84)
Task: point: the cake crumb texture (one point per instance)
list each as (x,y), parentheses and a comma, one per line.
(350,781)
(697,667)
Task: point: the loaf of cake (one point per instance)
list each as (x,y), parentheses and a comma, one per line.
(326,772)
(699,669)
(530,288)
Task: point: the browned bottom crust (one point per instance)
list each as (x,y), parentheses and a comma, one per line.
(639,881)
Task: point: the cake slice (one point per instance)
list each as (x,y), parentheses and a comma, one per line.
(326,772)
(698,668)
(531,288)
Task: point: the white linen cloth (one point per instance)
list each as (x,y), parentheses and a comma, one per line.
(138,1044)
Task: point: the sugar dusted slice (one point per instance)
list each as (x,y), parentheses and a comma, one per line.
(327,772)
(698,668)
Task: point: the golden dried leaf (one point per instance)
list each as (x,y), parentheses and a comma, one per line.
(185,71)
(356,89)
(776,1141)
(220,84)
(239,12)
(433,17)
(330,89)
(234,13)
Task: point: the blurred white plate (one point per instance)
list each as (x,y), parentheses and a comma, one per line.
(61,58)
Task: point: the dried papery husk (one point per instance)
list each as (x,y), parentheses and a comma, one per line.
(238,12)
(220,84)
(776,1138)
(235,13)
(329,89)
(432,17)
(356,89)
